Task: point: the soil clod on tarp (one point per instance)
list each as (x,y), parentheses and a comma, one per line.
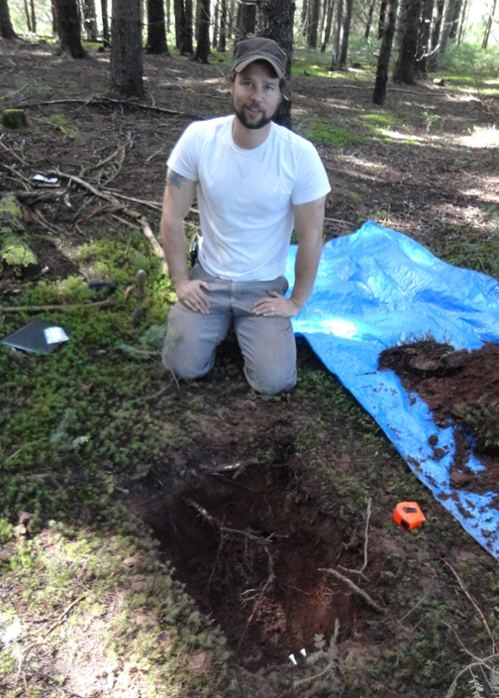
(249,547)
(461,388)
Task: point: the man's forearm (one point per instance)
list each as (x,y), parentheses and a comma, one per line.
(175,249)
(306,264)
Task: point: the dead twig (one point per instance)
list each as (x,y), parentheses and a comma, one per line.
(366,535)
(150,204)
(473,603)
(364,595)
(261,596)
(85,185)
(158,250)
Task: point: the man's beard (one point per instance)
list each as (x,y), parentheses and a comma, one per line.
(253,125)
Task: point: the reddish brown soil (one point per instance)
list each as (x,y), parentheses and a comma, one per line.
(461,388)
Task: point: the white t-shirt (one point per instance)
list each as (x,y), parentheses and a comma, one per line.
(246,197)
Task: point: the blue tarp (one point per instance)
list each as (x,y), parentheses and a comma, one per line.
(377,288)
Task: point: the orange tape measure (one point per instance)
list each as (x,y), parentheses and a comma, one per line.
(408,515)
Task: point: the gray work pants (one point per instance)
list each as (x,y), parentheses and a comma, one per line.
(267,344)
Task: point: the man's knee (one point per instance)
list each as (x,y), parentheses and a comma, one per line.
(270,382)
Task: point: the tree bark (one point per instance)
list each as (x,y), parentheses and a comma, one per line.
(379,94)
(156,32)
(432,61)
(222,37)
(405,66)
(90,19)
(304,17)
(382,18)
(369,22)
(202,52)
(126,50)
(329,23)
(105,23)
(69,28)
(33,16)
(335,56)
(28,16)
(275,21)
(313,23)
(486,36)
(347,21)
(6,28)
(454,15)
(424,37)
(246,18)
(183,26)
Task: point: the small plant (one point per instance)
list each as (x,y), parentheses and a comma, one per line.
(485,684)
(324,667)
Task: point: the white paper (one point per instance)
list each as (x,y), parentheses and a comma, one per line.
(53,335)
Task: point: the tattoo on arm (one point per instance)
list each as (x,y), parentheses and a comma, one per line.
(174,179)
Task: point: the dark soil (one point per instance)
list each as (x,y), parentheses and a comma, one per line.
(461,388)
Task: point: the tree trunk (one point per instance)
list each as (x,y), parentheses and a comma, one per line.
(432,62)
(462,21)
(325,5)
(126,50)
(304,17)
(313,23)
(168,16)
(369,22)
(382,18)
(90,19)
(246,18)
(329,23)
(202,52)
(275,21)
(454,15)
(28,16)
(222,37)
(69,28)
(405,65)
(33,16)
(347,21)
(183,26)
(6,28)
(379,94)
(335,56)
(486,36)
(105,23)
(424,37)
(156,33)
(216,20)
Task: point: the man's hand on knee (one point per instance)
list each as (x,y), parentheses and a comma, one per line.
(191,295)
(276,305)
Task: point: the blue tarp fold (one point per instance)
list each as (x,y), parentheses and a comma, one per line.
(377,288)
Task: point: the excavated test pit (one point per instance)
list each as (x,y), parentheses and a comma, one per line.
(248,546)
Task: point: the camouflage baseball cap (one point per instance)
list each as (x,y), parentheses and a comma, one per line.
(259,49)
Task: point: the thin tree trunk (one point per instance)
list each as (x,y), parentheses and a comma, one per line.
(126,50)
(382,18)
(28,16)
(486,36)
(335,57)
(304,17)
(313,23)
(90,19)
(156,33)
(379,94)
(454,16)
(168,16)
(105,23)
(222,39)
(323,20)
(405,66)
(329,22)
(424,36)
(69,28)
(347,21)
(432,62)
(216,20)
(275,21)
(6,28)
(203,32)
(369,22)
(33,16)
(461,24)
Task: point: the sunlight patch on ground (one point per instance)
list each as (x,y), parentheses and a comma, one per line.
(481,138)
(397,136)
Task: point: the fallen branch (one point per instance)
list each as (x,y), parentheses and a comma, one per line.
(158,250)
(473,602)
(151,204)
(85,185)
(366,535)
(364,595)
(42,308)
(108,100)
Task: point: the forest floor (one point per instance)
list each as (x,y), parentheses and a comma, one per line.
(159,539)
